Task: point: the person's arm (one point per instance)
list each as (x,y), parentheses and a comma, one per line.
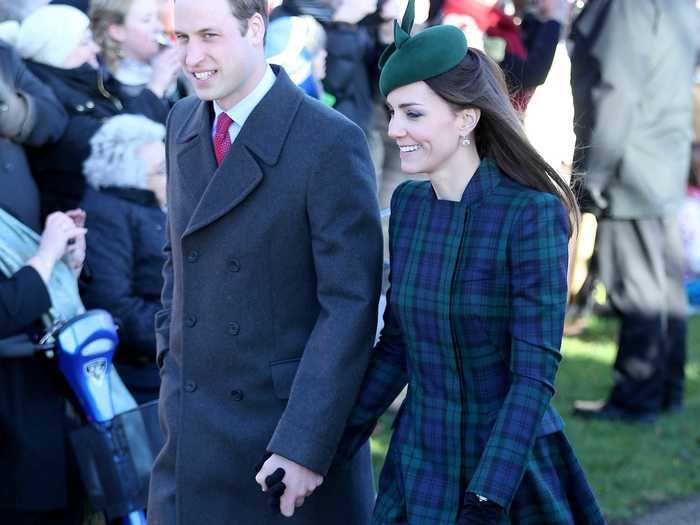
(623,66)
(347,249)
(530,72)
(538,261)
(386,375)
(38,117)
(385,378)
(24,298)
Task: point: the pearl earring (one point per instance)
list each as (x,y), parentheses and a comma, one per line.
(466,141)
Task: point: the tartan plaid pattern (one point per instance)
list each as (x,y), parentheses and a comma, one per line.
(473,324)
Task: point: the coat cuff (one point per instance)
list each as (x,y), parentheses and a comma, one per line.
(33,286)
(299,445)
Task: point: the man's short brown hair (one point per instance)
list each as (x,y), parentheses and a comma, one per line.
(244,9)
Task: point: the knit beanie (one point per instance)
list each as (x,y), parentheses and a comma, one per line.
(49,34)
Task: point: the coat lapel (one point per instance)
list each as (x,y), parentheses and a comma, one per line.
(195,153)
(259,144)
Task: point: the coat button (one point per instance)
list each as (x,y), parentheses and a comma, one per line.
(90,104)
(193,256)
(80,108)
(190,386)
(234,266)
(234,329)
(190,321)
(237,395)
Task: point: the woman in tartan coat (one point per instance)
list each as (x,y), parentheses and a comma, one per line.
(476,304)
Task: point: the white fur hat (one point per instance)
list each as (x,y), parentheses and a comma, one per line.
(49,34)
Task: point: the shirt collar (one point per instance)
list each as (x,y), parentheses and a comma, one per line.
(241,111)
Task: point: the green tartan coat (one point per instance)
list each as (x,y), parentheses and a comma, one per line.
(473,325)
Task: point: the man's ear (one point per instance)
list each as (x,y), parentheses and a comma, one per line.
(256,29)
(468,119)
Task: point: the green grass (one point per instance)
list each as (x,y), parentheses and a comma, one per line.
(631,467)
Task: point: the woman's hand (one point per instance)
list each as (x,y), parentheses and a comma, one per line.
(60,233)
(165,67)
(75,254)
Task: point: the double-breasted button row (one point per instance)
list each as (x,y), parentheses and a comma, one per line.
(234,328)
(193,256)
(190,386)
(190,321)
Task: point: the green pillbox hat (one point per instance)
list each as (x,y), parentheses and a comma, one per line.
(427,54)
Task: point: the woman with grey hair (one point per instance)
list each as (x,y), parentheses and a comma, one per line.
(125,199)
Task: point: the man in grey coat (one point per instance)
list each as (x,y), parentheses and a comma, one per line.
(272,279)
(632,72)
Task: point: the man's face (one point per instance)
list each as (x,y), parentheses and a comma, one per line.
(222,63)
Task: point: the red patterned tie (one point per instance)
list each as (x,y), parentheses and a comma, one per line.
(222,139)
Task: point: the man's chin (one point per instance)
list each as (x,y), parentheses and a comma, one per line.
(205,95)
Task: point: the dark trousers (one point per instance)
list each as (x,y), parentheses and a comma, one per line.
(641,265)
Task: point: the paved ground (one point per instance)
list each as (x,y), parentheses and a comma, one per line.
(686,512)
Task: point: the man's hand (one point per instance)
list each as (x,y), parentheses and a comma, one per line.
(299,481)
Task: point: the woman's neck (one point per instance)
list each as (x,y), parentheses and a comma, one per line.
(450,182)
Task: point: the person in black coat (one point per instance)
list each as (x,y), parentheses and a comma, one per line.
(37,485)
(67,62)
(124,204)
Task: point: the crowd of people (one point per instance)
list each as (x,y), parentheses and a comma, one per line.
(87,89)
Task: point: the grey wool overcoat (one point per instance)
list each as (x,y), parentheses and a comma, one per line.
(272,279)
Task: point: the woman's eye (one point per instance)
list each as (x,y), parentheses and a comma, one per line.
(413,115)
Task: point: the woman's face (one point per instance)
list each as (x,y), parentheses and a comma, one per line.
(137,35)
(426,129)
(84,53)
(153,156)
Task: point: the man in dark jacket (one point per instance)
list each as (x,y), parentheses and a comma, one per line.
(271,284)
(35,485)
(632,72)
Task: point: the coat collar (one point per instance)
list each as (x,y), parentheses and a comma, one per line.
(485,179)
(213,191)
(483,182)
(279,106)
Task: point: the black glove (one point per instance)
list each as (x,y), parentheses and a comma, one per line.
(275,487)
(475,512)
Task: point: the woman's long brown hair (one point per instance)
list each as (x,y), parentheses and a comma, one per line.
(478,82)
